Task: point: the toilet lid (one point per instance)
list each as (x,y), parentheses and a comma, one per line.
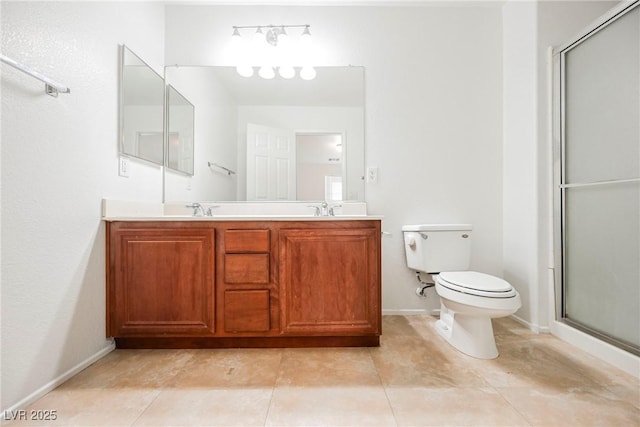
(474,283)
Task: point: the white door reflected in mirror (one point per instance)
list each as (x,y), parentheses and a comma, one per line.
(271,164)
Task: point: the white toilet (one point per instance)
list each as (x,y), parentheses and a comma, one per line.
(468,299)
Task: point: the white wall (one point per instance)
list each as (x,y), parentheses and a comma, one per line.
(433,111)
(520,154)
(59,159)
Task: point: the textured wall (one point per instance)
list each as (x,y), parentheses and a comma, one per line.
(59,158)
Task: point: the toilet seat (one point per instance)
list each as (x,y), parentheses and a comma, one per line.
(475,283)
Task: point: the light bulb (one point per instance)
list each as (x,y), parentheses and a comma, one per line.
(266,72)
(307,73)
(286,72)
(245,70)
(305,38)
(283,38)
(236,38)
(259,38)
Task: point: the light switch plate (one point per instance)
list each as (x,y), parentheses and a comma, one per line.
(123,167)
(372,174)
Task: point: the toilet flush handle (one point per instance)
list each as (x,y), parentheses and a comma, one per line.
(411,242)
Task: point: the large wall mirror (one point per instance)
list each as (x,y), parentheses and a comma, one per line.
(141,109)
(272,140)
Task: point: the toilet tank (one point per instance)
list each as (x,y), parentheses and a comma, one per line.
(432,248)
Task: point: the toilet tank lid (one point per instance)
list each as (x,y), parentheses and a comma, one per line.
(438,227)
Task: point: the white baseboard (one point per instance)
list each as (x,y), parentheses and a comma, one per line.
(60,379)
(537,329)
(410,312)
(604,351)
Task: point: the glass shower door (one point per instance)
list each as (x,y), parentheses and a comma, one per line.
(600,181)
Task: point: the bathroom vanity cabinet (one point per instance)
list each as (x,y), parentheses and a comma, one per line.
(190,284)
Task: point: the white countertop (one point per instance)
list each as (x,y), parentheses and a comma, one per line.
(244,218)
(118,210)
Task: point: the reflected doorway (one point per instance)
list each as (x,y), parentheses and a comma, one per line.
(320,166)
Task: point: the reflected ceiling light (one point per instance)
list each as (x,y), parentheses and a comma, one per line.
(272,48)
(266,72)
(307,73)
(245,70)
(286,71)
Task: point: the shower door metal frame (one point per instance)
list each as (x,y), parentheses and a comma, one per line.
(559,178)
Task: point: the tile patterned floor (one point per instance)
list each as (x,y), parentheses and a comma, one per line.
(413,379)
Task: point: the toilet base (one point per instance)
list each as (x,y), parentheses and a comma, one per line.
(472,335)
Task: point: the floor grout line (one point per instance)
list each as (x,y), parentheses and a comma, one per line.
(273,388)
(146,407)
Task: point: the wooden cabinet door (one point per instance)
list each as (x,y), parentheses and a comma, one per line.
(330,281)
(163,282)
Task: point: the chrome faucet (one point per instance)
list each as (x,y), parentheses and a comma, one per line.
(331,211)
(324,208)
(210,210)
(316,211)
(198,210)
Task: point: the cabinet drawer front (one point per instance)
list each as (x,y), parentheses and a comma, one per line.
(246,268)
(246,311)
(246,241)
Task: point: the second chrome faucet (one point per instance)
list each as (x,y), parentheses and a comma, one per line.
(199,210)
(324,209)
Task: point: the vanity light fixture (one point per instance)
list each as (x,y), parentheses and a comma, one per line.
(271,49)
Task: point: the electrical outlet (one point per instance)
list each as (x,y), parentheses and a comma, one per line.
(123,167)
(372,175)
